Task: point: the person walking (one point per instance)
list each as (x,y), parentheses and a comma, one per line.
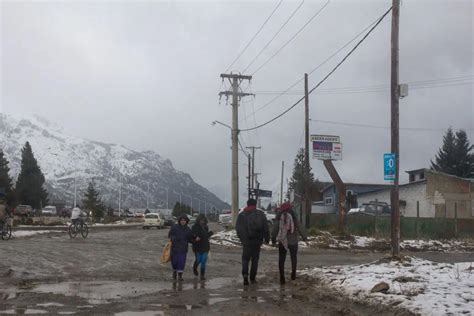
(286,230)
(252,230)
(180,235)
(201,246)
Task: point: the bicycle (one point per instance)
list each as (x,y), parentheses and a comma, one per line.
(78,227)
(6,231)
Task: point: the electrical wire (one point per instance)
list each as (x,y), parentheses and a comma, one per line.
(292,38)
(384,127)
(253,38)
(274,36)
(327,76)
(318,66)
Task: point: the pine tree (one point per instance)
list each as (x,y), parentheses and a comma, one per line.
(180,209)
(6,182)
(92,202)
(454,156)
(29,186)
(464,167)
(298,179)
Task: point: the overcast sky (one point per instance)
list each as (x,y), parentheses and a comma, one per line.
(146,75)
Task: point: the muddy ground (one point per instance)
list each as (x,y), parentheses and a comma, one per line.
(118,272)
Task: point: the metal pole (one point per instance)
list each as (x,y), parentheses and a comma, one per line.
(281,184)
(120,195)
(249,171)
(307,189)
(75,192)
(147,195)
(395,120)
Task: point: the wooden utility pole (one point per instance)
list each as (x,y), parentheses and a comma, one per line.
(307,187)
(281,184)
(341,188)
(235,81)
(395,145)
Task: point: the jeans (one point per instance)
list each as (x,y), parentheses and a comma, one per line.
(201,259)
(282,257)
(250,253)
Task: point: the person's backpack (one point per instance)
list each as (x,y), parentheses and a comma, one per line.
(254,225)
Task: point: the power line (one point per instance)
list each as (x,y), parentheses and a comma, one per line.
(414,85)
(327,76)
(318,66)
(274,36)
(292,38)
(384,127)
(253,38)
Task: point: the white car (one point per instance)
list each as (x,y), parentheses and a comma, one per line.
(49,211)
(153,220)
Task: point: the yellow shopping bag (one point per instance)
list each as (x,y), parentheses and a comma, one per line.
(166,254)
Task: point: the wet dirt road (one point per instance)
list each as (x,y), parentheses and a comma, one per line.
(118,272)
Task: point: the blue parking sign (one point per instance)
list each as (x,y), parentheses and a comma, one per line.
(389,166)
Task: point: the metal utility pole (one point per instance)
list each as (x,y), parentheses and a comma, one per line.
(147,195)
(253,164)
(395,145)
(120,196)
(307,187)
(281,184)
(235,81)
(250,172)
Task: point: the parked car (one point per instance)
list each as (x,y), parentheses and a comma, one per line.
(49,211)
(23,210)
(372,208)
(168,220)
(153,220)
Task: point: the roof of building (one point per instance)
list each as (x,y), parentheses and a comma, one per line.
(350,183)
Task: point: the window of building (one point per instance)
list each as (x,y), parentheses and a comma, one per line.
(328,201)
(412,177)
(422,175)
(349,192)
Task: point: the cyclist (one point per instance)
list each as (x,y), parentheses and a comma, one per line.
(4,213)
(77,216)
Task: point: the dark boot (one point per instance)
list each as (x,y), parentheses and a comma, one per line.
(293,275)
(180,277)
(246,280)
(174,274)
(282,277)
(195,268)
(203,274)
(253,281)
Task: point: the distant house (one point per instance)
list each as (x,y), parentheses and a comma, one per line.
(328,204)
(430,194)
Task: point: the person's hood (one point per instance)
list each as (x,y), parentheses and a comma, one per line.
(183,216)
(201,217)
(250,208)
(285,207)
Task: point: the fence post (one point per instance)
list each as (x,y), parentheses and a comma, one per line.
(417,219)
(455,219)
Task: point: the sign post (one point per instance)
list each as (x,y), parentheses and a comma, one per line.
(389,167)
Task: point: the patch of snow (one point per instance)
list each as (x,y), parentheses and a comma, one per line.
(427,288)
(28,233)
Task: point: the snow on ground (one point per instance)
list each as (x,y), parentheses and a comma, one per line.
(421,286)
(328,241)
(28,233)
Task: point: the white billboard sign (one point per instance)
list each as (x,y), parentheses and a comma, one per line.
(327,147)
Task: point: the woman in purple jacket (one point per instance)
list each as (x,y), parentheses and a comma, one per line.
(180,235)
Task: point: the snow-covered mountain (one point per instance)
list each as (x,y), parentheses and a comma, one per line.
(63,157)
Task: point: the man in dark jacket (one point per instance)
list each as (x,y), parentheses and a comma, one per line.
(252,230)
(180,235)
(201,245)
